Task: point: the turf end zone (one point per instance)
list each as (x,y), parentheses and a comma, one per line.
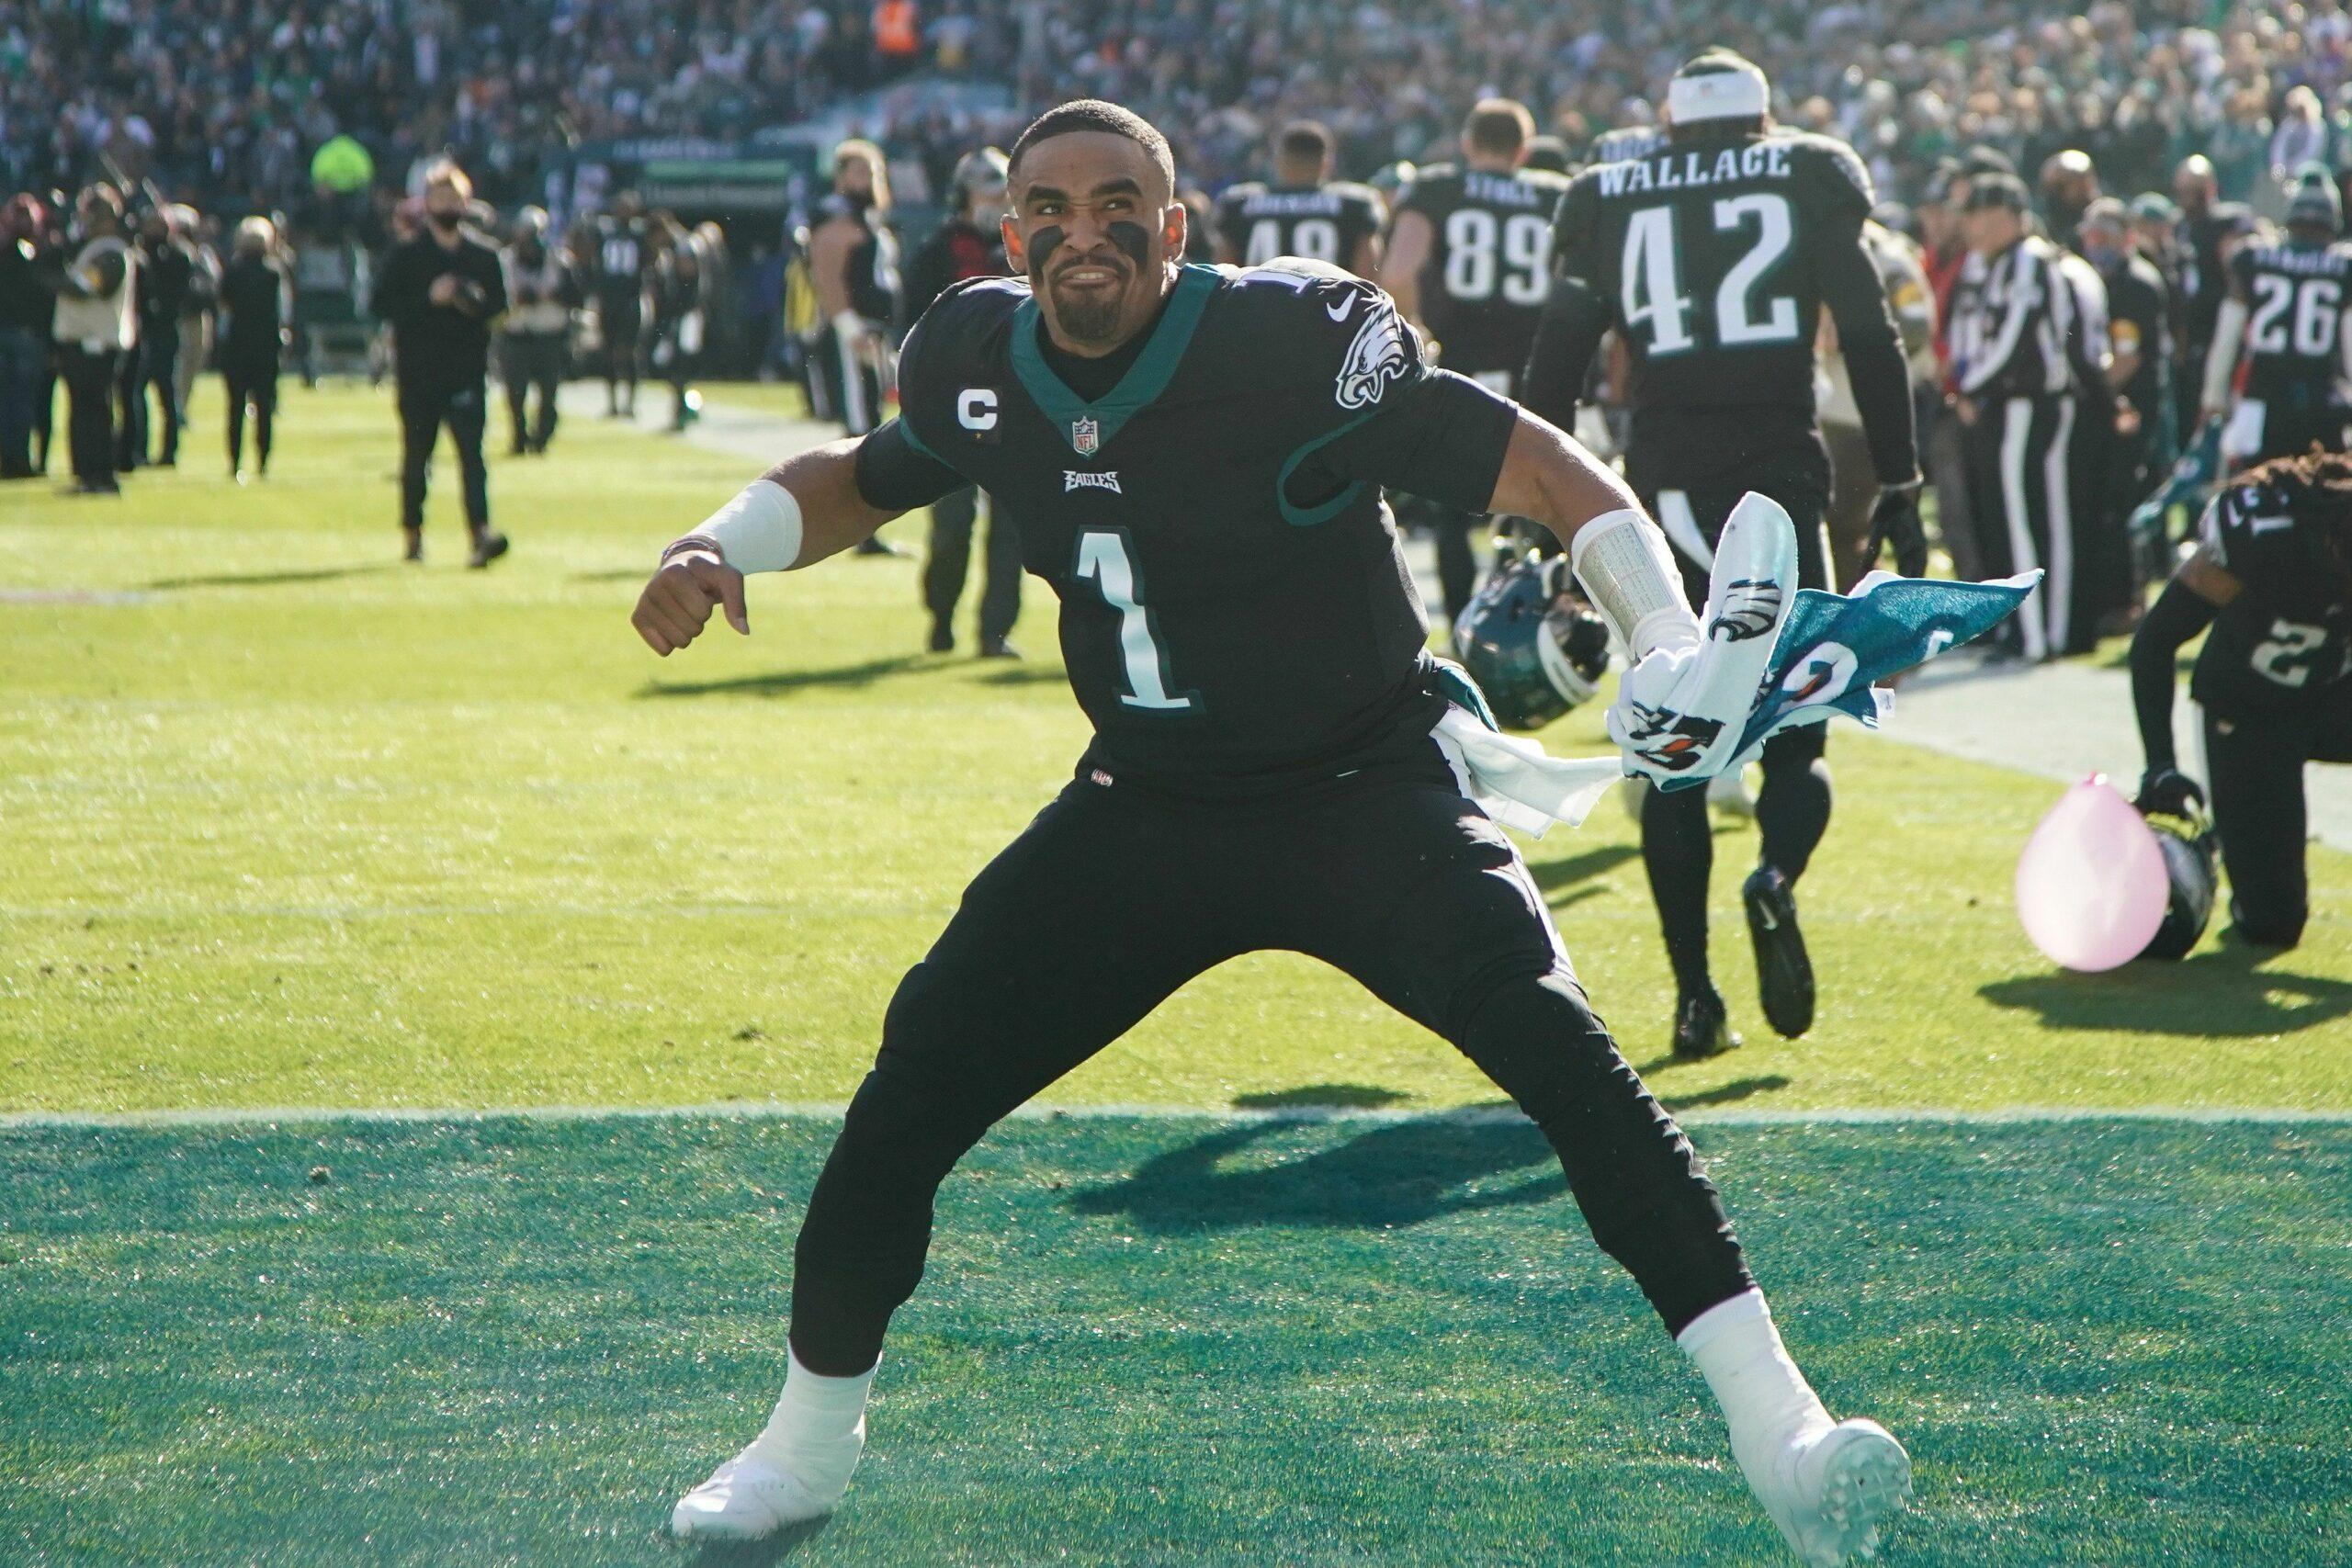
(1286,1336)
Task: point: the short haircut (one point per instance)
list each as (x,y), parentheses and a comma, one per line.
(1500,126)
(1304,141)
(1094,114)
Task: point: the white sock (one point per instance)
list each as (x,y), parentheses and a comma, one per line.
(818,1429)
(1765,1399)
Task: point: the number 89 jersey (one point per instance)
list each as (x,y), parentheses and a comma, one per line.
(2283,645)
(1705,256)
(1489,270)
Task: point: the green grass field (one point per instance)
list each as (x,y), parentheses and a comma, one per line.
(286,824)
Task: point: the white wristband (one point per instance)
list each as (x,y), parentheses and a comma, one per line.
(1628,570)
(759,530)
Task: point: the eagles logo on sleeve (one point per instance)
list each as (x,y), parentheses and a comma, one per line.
(1752,609)
(1376,358)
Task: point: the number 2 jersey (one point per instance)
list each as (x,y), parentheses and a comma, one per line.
(1713,259)
(1490,264)
(1326,223)
(1236,614)
(2284,644)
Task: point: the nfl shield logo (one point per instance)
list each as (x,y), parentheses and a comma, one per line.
(1085,436)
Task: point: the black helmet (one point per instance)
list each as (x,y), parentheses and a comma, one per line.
(2189,854)
(1534,654)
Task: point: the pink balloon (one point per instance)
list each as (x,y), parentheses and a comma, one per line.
(2091,884)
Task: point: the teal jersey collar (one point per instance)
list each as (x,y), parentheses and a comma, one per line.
(1088,427)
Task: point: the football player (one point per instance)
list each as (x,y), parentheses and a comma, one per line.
(1197,454)
(1712,259)
(2283,317)
(1304,212)
(2272,577)
(1469,261)
(621,275)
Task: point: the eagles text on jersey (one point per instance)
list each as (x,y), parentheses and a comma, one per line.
(1235,606)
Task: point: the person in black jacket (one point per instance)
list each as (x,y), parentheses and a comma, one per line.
(255,310)
(440,292)
(27,300)
(970,244)
(167,271)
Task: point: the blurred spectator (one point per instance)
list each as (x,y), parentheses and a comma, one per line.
(167,289)
(28,300)
(542,291)
(96,326)
(970,243)
(439,292)
(256,304)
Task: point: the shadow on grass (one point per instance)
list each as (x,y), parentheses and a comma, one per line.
(2226,994)
(784,682)
(272,579)
(1392,1173)
(759,1553)
(1569,881)
(1727,1093)
(1337,1096)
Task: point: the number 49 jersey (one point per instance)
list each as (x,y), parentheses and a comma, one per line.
(2295,298)
(1325,223)
(1715,261)
(1489,270)
(2285,643)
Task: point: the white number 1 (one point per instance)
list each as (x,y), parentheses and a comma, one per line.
(1102,556)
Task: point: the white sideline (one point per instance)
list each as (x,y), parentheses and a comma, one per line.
(1468,1115)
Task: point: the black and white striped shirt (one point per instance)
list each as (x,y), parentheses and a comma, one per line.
(2012,339)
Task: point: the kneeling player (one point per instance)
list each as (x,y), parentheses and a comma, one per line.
(2273,578)
(1197,455)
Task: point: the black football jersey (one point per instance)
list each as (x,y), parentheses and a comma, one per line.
(2284,644)
(1325,223)
(2295,298)
(1714,262)
(1235,614)
(619,263)
(1490,266)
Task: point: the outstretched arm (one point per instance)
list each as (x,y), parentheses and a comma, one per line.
(2184,608)
(817,504)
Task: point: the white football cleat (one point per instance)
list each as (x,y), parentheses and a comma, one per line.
(749,1499)
(1832,1490)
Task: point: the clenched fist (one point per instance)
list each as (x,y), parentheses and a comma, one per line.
(676,604)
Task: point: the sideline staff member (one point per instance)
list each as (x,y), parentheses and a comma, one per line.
(439,292)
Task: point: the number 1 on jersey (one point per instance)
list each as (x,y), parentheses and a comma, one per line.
(1102,556)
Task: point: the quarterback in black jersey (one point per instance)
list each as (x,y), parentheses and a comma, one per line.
(1712,258)
(1196,455)
(2283,321)
(1304,212)
(1470,262)
(2272,577)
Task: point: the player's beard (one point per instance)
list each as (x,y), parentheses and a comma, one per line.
(1092,316)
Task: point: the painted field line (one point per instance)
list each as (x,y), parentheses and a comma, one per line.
(1469,1115)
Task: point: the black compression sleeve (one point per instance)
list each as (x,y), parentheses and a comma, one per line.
(1856,295)
(1567,335)
(2178,614)
(1443,437)
(896,474)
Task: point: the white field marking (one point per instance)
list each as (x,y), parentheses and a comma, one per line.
(1467,1115)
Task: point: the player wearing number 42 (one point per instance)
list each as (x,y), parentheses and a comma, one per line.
(1713,258)
(1266,771)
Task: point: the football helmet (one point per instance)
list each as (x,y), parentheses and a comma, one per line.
(1534,650)
(2175,809)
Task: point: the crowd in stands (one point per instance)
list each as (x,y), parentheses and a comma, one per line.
(230,103)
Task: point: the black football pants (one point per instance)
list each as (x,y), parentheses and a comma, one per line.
(1793,808)
(2256,766)
(1112,899)
(954,519)
(424,409)
(531,361)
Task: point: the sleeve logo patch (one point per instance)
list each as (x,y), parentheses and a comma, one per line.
(1375,359)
